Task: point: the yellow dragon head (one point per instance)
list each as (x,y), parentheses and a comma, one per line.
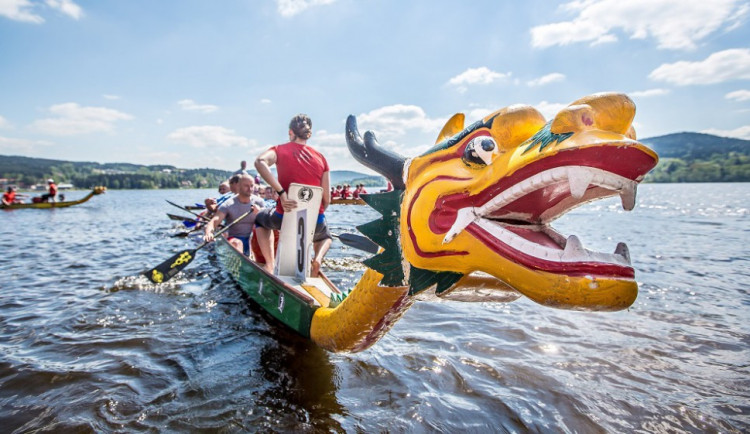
(481,201)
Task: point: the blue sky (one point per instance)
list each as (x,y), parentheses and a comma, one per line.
(207,84)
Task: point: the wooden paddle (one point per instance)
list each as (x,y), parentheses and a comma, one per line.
(167,269)
(202,217)
(358,242)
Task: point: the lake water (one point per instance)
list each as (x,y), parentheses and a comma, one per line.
(87,346)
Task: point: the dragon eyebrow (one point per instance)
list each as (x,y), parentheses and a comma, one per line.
(451,141)
(544,138)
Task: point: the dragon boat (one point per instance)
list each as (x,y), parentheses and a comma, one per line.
(469,220)
(352,201)
(62,204)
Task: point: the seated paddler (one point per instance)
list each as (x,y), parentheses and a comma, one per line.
(239,234)
(296,162)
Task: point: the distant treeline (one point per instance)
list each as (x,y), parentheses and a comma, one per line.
(26,172)
(696,157)
(719,168)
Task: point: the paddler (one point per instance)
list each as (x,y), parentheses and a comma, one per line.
(298,162)
(9,197)
(239,234)
(51,191)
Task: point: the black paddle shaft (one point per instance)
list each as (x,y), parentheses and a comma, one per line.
(167,269)
(202,217)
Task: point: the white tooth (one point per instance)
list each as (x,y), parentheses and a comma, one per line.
(464,217)
(627,195)
(579,180)
(623,251)
(574,250)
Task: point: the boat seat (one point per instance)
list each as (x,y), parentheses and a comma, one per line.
(315,286)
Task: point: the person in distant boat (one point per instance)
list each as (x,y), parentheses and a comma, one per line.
(242,170)
(359,190)
(336,194)
(9,197)
(298,162)
(346,193)
(52,191)
(239,234)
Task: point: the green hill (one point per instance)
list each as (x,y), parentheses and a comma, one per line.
(697,157)
(26,171)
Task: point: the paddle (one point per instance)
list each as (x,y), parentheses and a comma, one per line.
(204,218)
(358,242)
(167,269)
(186,233)
(179,218)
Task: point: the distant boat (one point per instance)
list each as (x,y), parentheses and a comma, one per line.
(65,186)
(339,201)
(64,204)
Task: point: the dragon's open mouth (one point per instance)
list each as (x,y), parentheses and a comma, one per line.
(514,216)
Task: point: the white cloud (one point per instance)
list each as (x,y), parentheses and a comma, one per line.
(324,138)
(737,95)
(19,10)
(4,123)
(265,101)
(674,24)
(289,8)
(207,136)
(546,79)
(23,10)
(9,145)
(739,133)
(548,109)
(67,7)
(72,119)
(732,64)
(397,119)
(111,97)
(648,93)
(190,105)
(481,75)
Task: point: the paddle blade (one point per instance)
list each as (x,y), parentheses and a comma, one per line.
(178,218)
(359,242)
(167,269)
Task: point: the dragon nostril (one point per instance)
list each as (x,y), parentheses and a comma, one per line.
(488,145)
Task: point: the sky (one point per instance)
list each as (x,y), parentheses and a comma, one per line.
(206,84)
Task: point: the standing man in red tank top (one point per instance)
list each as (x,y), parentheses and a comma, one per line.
(295,162)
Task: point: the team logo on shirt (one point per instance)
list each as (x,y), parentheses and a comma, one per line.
(305,194)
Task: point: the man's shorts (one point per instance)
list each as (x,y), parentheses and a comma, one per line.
(268,218)
(245,243)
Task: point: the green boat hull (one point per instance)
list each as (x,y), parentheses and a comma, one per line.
(288,305)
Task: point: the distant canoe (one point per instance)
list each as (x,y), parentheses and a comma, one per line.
(348,202)
(47,205)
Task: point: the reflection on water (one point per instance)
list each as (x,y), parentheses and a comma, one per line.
(88,345)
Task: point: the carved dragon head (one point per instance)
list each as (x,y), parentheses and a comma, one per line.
(481,202)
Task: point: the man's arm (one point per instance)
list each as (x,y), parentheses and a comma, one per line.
(208,231)
(263,165)
(325,182)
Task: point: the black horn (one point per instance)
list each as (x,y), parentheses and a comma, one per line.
(371,154)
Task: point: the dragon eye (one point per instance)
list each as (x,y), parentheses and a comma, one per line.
(481,151)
